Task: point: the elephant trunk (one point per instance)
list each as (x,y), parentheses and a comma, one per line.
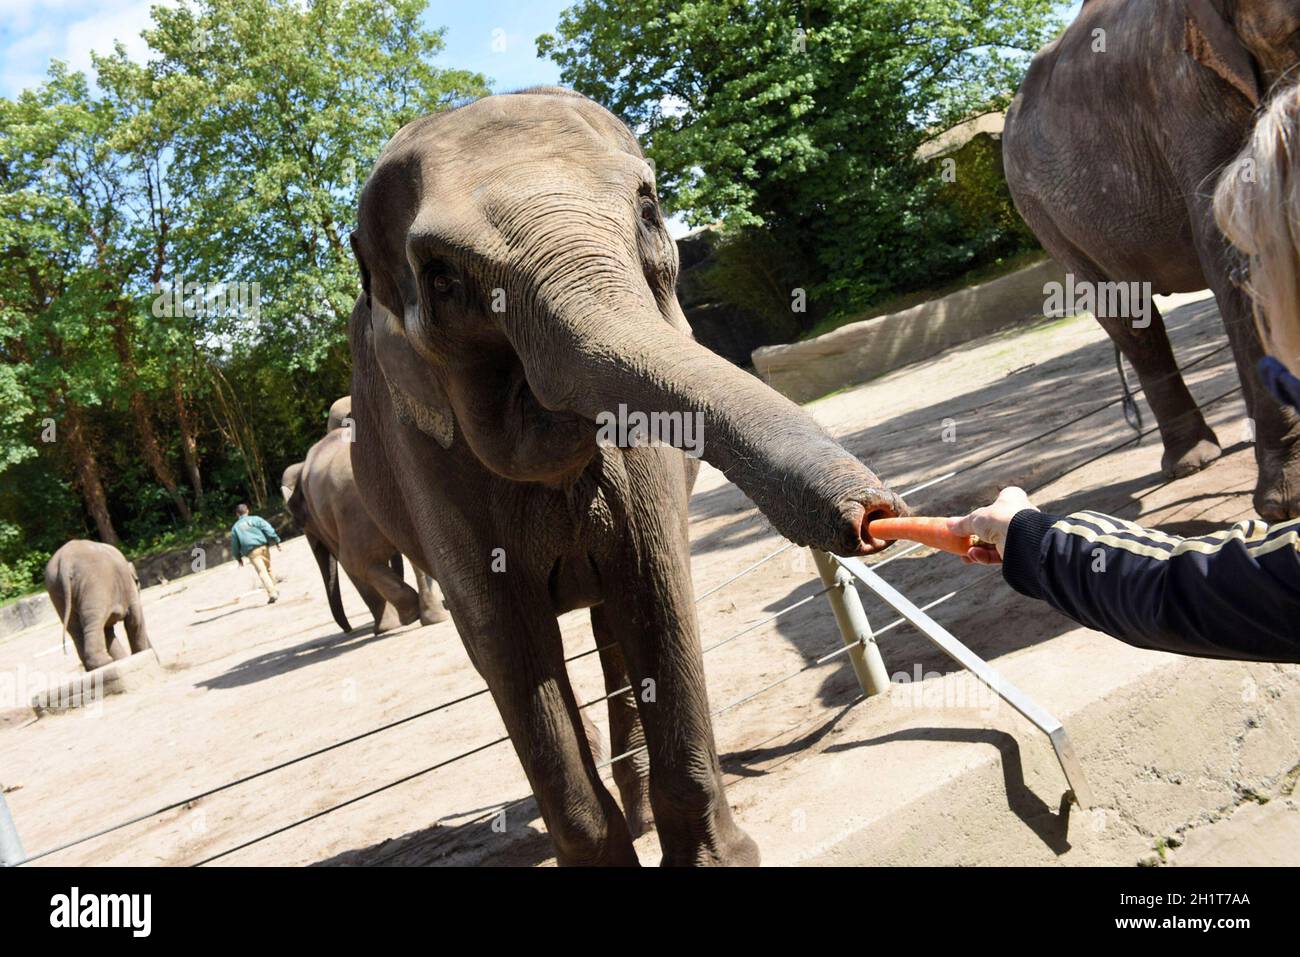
(812,490)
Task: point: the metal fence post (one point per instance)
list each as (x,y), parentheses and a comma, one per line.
(854,627)
(11,849)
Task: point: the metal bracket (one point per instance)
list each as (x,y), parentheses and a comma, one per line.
(981,669)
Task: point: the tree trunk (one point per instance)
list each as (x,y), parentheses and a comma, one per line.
(153,455)
(149,447)
(86,468)
(235,429)
(189,444)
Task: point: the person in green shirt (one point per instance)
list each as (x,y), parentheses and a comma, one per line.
(250,537)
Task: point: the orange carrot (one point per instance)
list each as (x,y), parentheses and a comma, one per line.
(932,532)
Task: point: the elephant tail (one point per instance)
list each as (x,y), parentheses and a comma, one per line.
(395,563)
(329,572)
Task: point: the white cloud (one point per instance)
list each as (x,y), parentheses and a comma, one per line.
(37,31)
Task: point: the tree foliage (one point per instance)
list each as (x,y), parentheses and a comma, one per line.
(230,155)
(802,118)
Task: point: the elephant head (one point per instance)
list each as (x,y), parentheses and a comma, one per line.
(1251,44)
(340,414)
(520,283)
(289,480)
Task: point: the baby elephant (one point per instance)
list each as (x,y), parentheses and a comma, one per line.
(93,587)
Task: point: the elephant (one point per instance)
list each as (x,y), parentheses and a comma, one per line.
(1112,148)
(518,306)
(325,502)
(340,414)
(92,587)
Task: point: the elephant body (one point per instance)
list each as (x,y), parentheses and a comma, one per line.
(518,289)
(327,505)
(93,587)
(1112,149)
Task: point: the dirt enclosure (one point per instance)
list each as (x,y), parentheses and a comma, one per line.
(1191,761)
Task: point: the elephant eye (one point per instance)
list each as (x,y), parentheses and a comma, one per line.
(649,211)
(441,278)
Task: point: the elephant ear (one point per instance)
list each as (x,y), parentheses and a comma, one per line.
(417,396)
(1213,42)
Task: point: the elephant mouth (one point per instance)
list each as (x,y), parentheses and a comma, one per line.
(552,446)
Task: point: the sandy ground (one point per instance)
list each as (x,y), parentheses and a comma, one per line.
(245,687)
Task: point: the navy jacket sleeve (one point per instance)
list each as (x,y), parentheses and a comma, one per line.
(1233,594)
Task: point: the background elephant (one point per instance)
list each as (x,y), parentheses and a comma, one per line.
(325,502)
(93,587)
(1112,149)
(340,414)
(519,287)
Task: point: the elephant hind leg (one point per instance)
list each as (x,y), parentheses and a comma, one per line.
(1190,444)
(95,639)
(385,615)
(401,596)
(631,766)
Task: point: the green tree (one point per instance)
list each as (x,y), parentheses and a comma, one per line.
(232,154)
(802,119)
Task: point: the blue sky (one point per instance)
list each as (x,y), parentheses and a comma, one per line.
(494,37)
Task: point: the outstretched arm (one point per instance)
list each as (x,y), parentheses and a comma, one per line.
(1233,594)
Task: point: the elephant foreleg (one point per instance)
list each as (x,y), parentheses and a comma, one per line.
(515,642)
(647,607)
(116,647)
(631,765)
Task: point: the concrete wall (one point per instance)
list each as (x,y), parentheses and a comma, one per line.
(26,612)
(864,350)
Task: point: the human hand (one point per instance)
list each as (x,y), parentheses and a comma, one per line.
(241,562)
(990,525)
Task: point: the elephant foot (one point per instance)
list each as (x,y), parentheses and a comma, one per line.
(741,851)
(585,846)
(431,616)
(734,850)
(1183,458)
(1277,494)
(640,818)
(390,620)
